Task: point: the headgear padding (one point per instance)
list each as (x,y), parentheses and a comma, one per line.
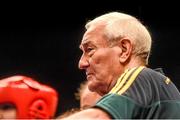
(32,99)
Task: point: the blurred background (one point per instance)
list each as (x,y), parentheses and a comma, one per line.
(41,40)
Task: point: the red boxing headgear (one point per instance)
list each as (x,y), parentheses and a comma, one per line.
(32,99)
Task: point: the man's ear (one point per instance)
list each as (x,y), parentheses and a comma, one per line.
(126,47)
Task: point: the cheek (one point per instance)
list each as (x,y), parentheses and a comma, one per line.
(99,57)
(104,60)
(97,63)
(104,63)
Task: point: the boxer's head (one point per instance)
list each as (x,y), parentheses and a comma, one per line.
(26,98)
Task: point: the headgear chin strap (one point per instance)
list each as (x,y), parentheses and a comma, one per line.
(32,99)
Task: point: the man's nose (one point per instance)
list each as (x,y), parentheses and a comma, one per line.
(83,62)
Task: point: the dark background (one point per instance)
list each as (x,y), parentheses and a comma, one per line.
(41,40)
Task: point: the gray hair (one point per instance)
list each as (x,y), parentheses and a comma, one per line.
(119,25)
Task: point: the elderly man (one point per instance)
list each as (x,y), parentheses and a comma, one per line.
(116,48)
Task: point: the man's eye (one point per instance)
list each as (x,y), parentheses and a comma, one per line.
(89,49)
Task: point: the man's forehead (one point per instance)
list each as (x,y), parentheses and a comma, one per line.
(91,33)
(86,35)
(86,38)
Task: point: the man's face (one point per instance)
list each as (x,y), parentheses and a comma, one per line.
(100,62)
(7,111)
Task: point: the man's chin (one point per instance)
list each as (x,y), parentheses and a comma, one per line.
(89,77)
(92,89)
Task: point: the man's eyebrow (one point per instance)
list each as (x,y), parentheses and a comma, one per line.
(84,43)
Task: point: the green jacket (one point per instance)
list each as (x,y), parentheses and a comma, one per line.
(142,93)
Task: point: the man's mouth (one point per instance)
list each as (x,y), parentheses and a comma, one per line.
(88,75)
